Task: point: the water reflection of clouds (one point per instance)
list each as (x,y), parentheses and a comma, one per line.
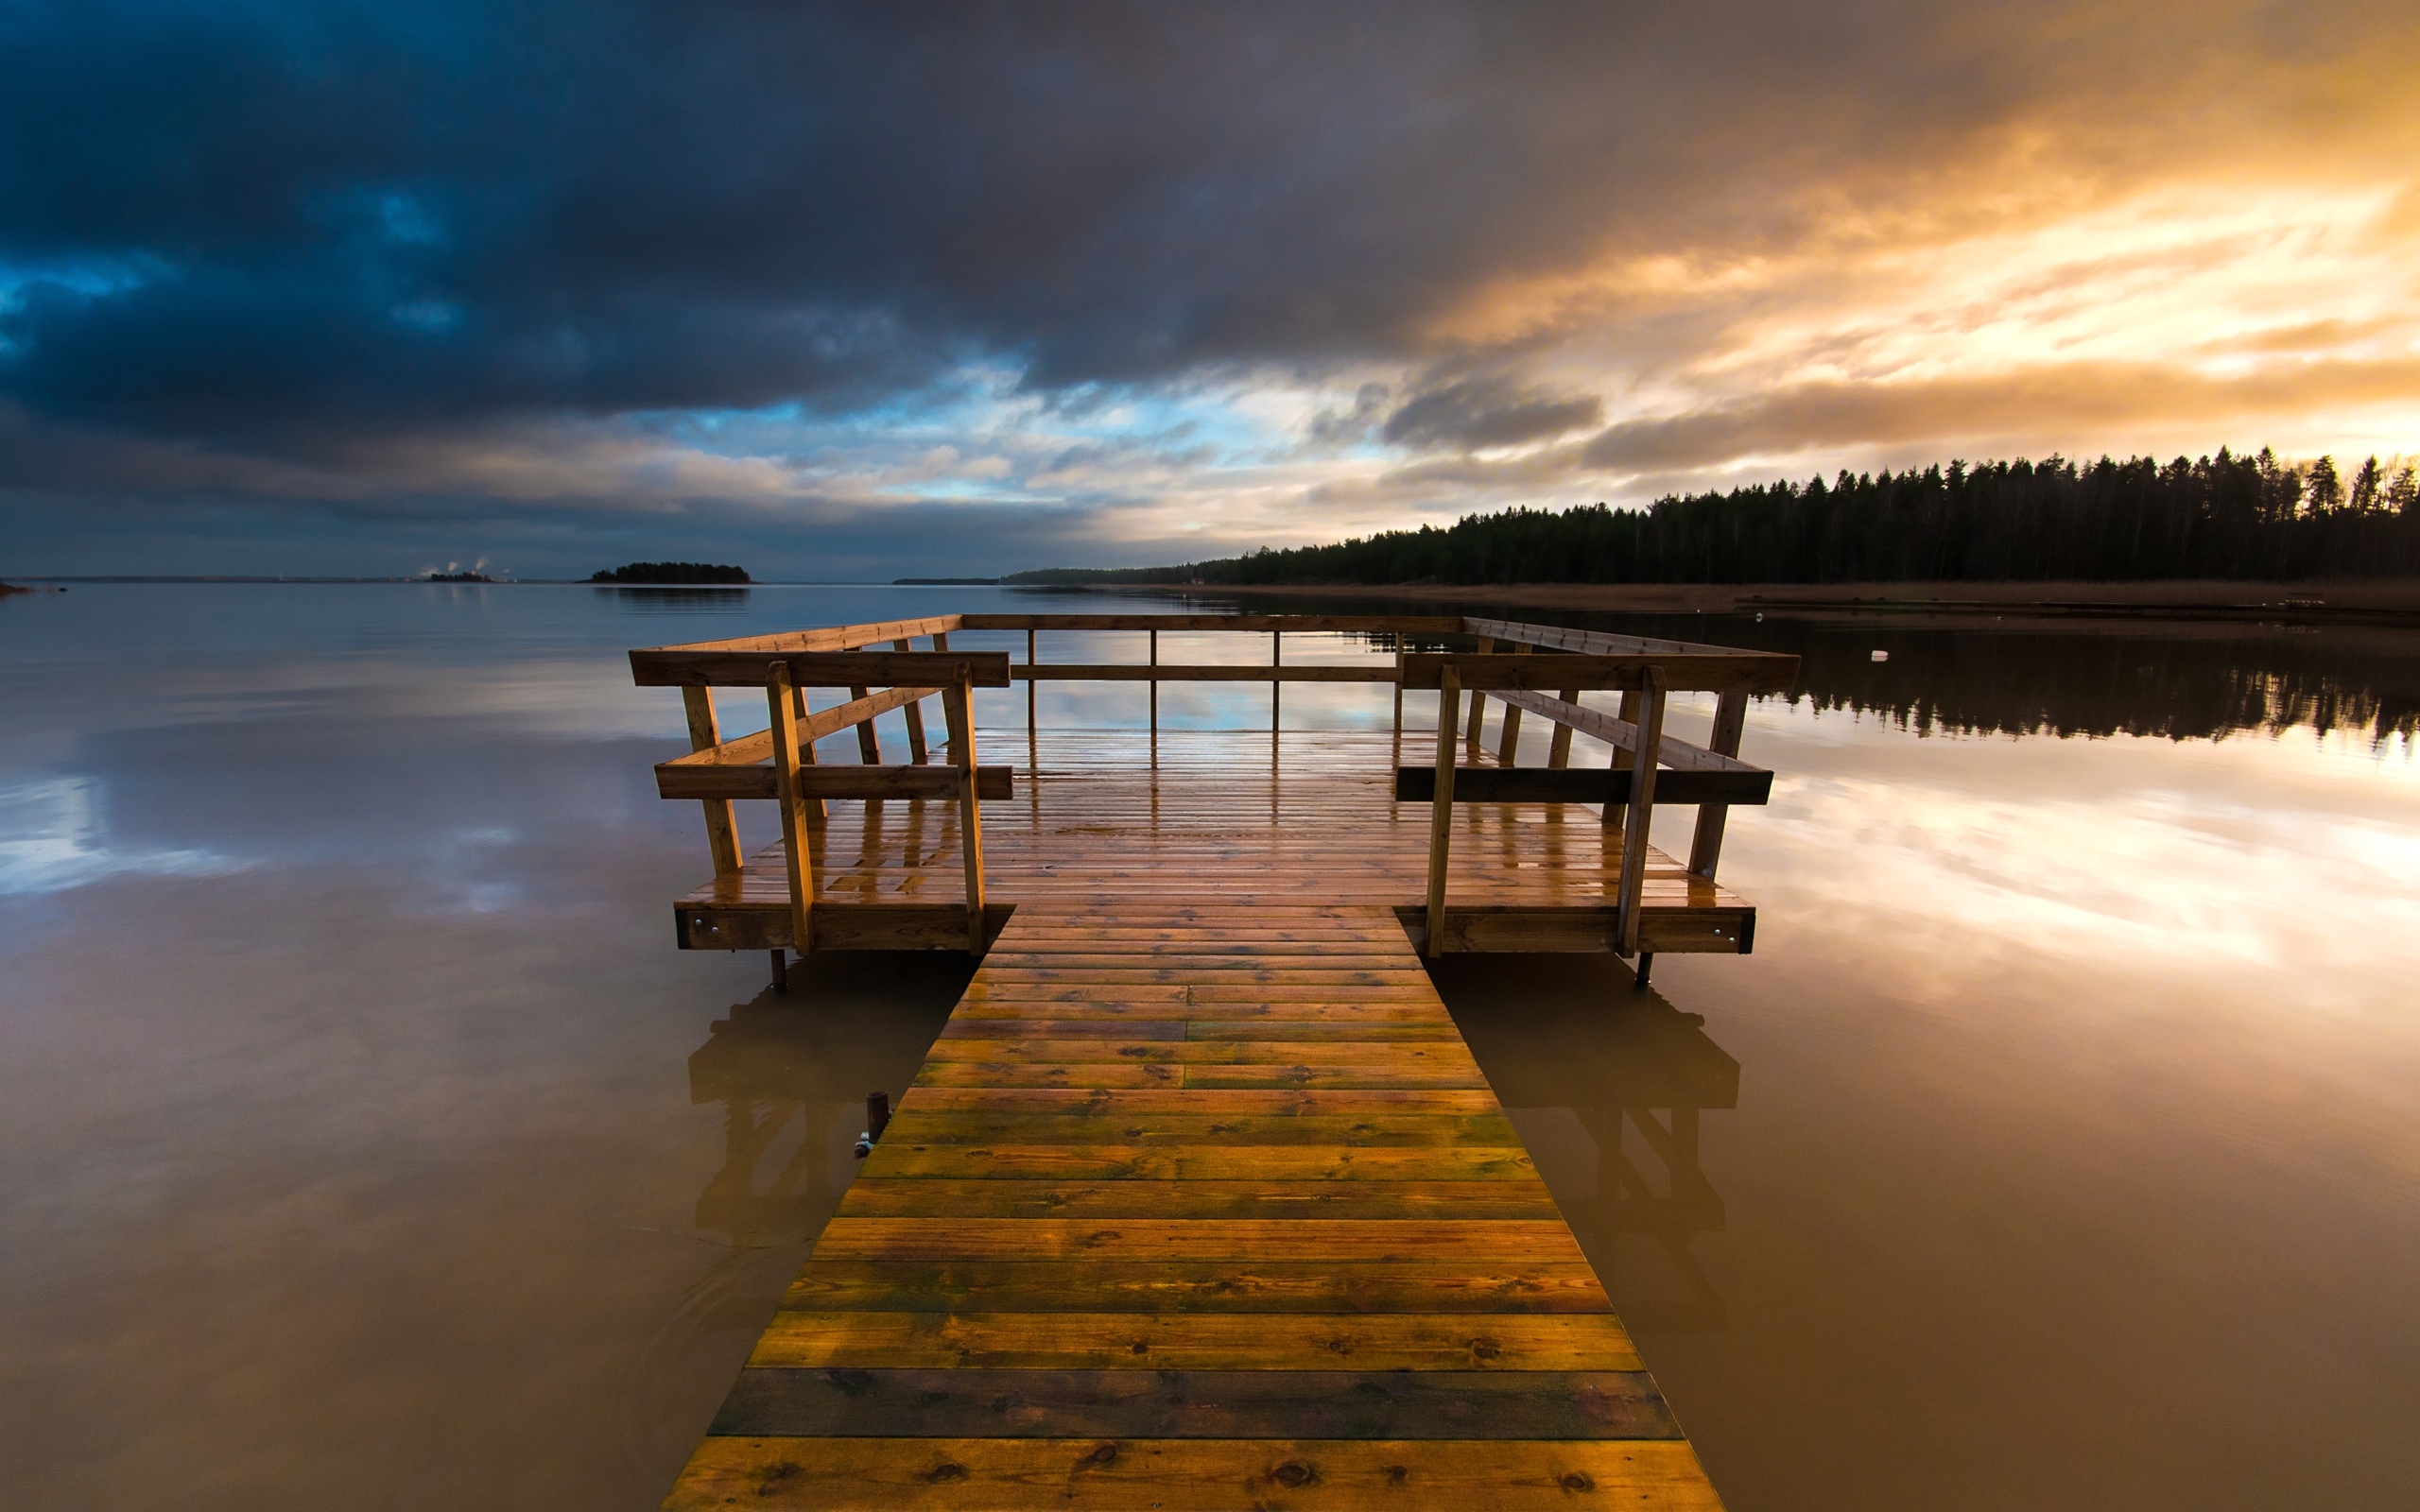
(54,835)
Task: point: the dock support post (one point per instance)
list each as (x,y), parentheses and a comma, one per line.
(1646,965)
(869,742)
(722,833)
(1507,747)
(1558,751)
(1032,703)
(1277,658)
(1642,806)
(781,971)
(956,706)
(1478,700)
(1398,701)
(1441,817)
(1706,847)
(915,711)
(796,832)
(1621,759)
(1155,700)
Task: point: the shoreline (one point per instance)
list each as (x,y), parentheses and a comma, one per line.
(2391,601)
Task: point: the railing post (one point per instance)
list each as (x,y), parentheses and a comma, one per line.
(1478,699)
(1032,718)
(722,833)
(1277,658)
(1398,699)
(869,742)
(1705,846)
(1441,817)
(1155,700)
(1642,806)
(1507,747)
(915,712)
(958,708)
(1558,751)
(1628,715)
(797,835)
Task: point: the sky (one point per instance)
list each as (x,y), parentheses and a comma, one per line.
(852,292)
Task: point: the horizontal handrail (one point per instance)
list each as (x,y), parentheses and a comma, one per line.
(1308,624)
(734,780)
(829,638)
(1597,642)
(676,666)
(1694,671)
(1196,672)
(1574,784)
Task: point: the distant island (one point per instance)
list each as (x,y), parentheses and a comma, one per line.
(946,582)
(434,576)
(2227,517)
(666,573)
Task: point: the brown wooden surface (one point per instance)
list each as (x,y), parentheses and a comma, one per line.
(1199,1201)
(1222,818)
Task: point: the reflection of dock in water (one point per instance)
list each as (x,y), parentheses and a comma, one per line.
(1611,1102)
(1200,1200)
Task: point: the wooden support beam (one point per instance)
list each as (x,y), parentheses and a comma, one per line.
(1705,846)
(1625,754)
(1276,663)
(1478,700)
(869,742)
(676,667)
(1398,700)
(1201,672)
(1508,749)
(1740,671)
(1622,734)
(1156,696)
(722,833)
(1364,624)
(1558,751)
(1441,823)
(958,708)
(1641,808)
(829,638)
(1545,784)
(916,751)
(796,832)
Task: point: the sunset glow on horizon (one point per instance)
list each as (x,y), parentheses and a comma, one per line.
(858,294)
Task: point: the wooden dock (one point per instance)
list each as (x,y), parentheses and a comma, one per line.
(1200,1200)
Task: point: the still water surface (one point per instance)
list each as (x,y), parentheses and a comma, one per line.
(364,1140)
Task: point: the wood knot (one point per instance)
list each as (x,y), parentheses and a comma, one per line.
(1293,1474)
(1138,1346)
(1397,1474)
(1102,1454)
(851,1382)
(946,1471)
(1577,1481)
(1485,1348)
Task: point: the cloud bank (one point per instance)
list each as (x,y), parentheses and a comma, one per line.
(894,290)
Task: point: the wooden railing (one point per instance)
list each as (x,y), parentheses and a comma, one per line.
(1647,767)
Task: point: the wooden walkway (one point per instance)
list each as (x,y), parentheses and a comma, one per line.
(1197,1206)
(1108,817)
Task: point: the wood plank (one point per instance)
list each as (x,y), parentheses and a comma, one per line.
(1004,1161)
(1542,784)
(675,666)
(1696,671)
(1194,1341)
(1266,1197)
(1358,1284)
(1492,1241)
(1190,1475)
(957,1401)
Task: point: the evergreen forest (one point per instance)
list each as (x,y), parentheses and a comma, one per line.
(2252,518)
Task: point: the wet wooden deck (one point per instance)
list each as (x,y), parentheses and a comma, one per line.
(1201,1201)
(1220,816)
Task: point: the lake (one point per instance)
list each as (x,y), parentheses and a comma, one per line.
(363,1137)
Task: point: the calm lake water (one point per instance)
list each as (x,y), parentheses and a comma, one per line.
(365,1142)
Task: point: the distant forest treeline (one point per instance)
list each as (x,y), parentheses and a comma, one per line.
(2222,517)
